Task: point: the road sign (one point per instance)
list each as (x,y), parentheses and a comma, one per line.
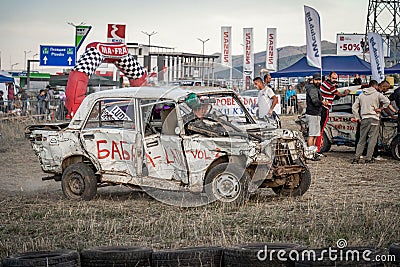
(61,56)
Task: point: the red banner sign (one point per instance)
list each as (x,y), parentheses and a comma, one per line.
(110,50)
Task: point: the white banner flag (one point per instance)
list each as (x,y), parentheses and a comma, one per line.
(226,46)
(248,55)
(271,56)
(313,37)
(376,56)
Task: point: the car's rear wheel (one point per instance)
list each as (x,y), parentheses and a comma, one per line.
(297,184)
(79,182)
(395,148)
(228,183)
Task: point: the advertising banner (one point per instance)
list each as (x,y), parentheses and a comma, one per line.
(248,57)
(376,56)
(226,46)
(116,33)
(81,32)
(271,56)
(313,37)
(353,44)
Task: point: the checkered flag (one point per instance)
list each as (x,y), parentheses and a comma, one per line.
(130,67)
(89,61)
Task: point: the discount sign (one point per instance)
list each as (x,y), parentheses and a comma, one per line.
(350,44)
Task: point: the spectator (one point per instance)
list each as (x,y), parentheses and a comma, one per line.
(329,91)
(41,104)
(267,81)
(49,98)
(23,97)
(383,87)
(313,111)
(395,96)
(2,107)
(357,80)
(267,100)
(290,100)
(367,109)
(10,97)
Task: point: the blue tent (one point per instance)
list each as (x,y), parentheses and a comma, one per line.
(393,69)
(342,65)
(6,78)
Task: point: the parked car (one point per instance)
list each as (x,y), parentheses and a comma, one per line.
(252,93)
(154,138)
(341,130)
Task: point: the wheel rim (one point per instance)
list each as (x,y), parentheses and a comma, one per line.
(76,184)
(226,187)
(295,181)
(397,150)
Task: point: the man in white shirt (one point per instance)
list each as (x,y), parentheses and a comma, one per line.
(267,99)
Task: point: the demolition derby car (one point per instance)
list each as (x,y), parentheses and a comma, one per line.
(341,129)
(173,140)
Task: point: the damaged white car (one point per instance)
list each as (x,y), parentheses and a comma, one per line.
(170,140)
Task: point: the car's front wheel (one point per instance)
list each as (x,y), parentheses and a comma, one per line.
(79,182)
(297,184)
(227,182)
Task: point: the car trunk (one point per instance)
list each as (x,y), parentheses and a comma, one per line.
(45,126)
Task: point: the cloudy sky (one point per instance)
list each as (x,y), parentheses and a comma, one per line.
(25,25)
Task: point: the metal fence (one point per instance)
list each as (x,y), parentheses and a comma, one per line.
(52,110)
(294,106)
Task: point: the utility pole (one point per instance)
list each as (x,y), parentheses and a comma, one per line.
(149,57)
(12,66)
(25,52)
(202,71)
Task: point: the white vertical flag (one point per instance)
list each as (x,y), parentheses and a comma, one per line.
(313,36)
(226,46)
(376,56)
(271,56)
(248,56)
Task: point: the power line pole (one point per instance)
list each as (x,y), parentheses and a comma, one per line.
(384,18)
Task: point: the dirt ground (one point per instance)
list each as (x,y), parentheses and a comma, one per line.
(21,173)
(358,202)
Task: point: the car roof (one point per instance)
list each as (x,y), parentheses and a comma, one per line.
(151,92)
(174,93)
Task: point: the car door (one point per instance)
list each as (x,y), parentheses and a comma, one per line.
(110,136)
(163,149)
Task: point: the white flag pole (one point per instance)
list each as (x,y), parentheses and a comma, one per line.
(376,56)
(313,37)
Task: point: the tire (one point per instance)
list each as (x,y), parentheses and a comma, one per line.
(227,183)
(116,256)
(254,254)
(394,249)
(63,257)
(395,148)
(302,186)
(326,144)
(323,259)
(79,182)
(194,256)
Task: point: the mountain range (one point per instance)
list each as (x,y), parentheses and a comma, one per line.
(287,55)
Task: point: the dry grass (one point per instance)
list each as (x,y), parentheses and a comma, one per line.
(358,203)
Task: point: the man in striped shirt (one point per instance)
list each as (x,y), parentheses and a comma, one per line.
(329,91)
